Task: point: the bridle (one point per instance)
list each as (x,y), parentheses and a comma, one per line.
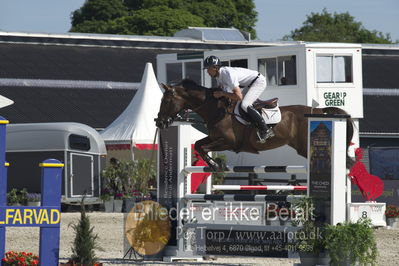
(169,119)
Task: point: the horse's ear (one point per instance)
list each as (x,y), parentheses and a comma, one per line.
(166,87)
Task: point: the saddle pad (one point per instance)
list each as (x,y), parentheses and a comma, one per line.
(271,116)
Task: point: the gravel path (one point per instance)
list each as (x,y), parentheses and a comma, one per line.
(109,227)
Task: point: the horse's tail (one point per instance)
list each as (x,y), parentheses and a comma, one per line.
(349,132)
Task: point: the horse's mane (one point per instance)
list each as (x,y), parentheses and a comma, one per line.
(192,85)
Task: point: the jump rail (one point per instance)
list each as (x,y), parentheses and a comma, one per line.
(244,197)
(257,187)
(291,169)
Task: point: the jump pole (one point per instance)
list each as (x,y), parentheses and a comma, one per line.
(256,187)
(290,169)
(241,197)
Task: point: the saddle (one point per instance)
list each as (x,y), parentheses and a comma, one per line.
(268,104)
(259,105)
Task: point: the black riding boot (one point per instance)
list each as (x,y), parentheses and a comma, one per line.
(264,132)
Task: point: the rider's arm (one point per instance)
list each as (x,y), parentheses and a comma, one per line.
(236,95)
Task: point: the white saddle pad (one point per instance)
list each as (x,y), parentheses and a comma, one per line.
(271,116)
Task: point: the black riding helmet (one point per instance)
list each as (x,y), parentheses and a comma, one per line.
(212,61)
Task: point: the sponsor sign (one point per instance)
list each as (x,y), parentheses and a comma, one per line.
(30,216)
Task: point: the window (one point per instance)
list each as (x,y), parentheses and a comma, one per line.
(173,72)
(232,63)
(192,71)
(286,70)
(79,142)
(333,68)
(279,71)
(239,63)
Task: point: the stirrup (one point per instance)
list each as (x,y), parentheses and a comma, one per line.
(263,137)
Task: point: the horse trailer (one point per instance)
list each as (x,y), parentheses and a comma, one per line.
(78,146)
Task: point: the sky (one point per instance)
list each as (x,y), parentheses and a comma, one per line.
(276,18)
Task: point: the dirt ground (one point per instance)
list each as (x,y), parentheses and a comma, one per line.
(109,227)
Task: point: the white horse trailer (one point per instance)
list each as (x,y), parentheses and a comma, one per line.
(78,146)
(312,74)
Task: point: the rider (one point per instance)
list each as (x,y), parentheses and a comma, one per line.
(232,79)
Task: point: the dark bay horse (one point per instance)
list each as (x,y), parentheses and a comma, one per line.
(227,133)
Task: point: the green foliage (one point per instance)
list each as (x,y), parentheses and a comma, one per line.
(246,16)
(125,178)
(13,258)
(98,10)
(337,27)
(84,244)
(161,21)
(310,236)
(162,17)
(351,241)
(12,196)
(392,211)
(347,242)
(144,175)
(112,183)
(95,26)
(218,177)
(17,196)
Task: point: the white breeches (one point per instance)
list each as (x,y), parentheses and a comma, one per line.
(254,92)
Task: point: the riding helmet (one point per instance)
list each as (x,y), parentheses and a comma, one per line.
(212,61)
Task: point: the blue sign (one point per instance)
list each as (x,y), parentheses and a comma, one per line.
(25,216)
(47,217)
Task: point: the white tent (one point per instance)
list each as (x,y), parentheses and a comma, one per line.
(135,127)
(5,101)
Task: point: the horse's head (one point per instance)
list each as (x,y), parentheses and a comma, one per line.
(172,103)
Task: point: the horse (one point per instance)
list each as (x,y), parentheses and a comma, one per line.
(225,132)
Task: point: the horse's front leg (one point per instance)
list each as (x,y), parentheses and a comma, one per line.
(199,148)
(205,145)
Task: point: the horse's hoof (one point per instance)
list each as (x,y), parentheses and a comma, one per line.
(217,167)
(214,166)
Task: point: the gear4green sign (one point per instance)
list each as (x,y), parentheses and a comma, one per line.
(334,99)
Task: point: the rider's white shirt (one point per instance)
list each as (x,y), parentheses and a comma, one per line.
(232,77)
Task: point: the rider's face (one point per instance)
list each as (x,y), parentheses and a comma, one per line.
(213,71)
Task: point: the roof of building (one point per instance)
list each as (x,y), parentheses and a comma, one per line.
(63,62)
(94,107)
(183,42)
(214,34)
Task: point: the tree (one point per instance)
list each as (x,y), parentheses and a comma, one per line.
(85,242)
(342,27)
(97,11)
(161,21)
(162,17)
